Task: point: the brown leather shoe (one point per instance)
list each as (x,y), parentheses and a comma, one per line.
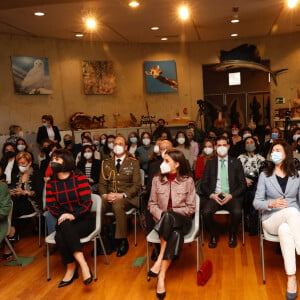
(213,242)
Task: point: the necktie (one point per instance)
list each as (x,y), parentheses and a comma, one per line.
(118,165)
(224,179)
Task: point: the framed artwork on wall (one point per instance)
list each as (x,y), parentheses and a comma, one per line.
(161,76)
(31,75)
(98,77)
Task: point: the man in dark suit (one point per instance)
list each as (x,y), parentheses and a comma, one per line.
(119,187)
(223,185)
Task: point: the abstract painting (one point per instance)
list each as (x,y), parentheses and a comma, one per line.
(161,76)
(98,77)
(31,75)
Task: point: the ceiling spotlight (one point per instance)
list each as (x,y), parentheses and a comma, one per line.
(91,23)
(39,14)
(235,21)
(184,12)
(234,34)
(134,3)
(79,35)
(155,28)
(292,3)
(164,38)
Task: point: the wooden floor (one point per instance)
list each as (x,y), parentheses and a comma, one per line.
(236,275)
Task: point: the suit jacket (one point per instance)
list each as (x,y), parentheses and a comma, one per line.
(127,180)
(268,189)
(5,206)
(236,179)
(42,134)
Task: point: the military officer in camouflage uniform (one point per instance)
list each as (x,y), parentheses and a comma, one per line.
(119,187)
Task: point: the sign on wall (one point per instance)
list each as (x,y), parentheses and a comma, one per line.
(31,75)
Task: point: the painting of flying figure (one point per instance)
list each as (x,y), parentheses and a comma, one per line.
(161,76)
(31,75)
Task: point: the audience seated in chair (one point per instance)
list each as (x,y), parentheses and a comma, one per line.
(277,196)
(119,187)
(172,203)
(223,185)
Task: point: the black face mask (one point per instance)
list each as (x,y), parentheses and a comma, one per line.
(56,167)
(10,154)
(67,143)
(46,150)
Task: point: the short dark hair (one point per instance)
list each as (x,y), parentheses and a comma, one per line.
(67,157)
(48,118)
(222,138)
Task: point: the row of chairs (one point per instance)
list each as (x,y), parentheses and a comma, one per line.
(152,237)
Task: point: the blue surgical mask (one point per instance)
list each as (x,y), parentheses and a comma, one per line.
(133,140)
(45,124)
(276,157)
(274,135)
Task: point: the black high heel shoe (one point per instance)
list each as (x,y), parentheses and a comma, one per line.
(152,274)
(161,295)
(88,280)
(65,283)
(7,255)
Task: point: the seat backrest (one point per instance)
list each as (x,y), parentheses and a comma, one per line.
(96,207)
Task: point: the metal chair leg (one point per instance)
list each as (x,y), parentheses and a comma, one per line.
(135,241)
(243,228)
(148,263)
(103,248)
(13,251)
(48,263)
(95,260)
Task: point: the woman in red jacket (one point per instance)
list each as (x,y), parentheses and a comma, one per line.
(68,198)
(172,203)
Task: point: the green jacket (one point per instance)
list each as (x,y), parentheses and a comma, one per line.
(5,207)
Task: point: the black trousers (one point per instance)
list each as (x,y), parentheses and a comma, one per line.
(68,235)
(172,227)
(233,206)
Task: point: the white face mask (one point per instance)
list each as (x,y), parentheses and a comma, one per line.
(234,132)
(21,147)
(165,168)
(181,140)
(86,144)
(276,157)
(163,153)
(246,135)
(156,149)
(23,169)
(103,142)
(222,150)
(295,137)
(118,149)
(208,150)
(110,145)
(87,155)
(21,134)
(146,141)
(96,142)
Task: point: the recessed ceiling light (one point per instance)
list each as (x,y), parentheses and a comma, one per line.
(235,21)
(91,23)
(184,12)
(154,28)
(234,34)
(39,14)
(79,34)
(292,3)
(164,38)
(134,4)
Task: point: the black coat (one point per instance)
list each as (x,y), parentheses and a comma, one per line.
(95,171)
(43,134)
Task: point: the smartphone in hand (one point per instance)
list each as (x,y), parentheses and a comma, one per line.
(221,196)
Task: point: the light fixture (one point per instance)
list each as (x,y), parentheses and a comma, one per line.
(184,12)
(234,34)
(155,28)
(234,20)
(90,23)
(292,3)
(164,38)
(39,13)
(235,15)
(134,4)
(79,35)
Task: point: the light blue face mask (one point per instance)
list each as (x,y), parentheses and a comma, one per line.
(274,135)
(133,140)
(276,157)
(45,124)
